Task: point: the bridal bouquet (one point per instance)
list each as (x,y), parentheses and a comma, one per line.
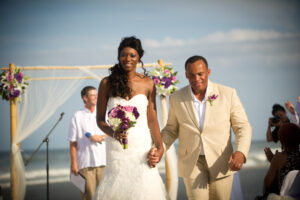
(12,84)
(165,80)
(122,118)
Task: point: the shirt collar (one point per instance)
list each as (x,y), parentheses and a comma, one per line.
(197,100)
(88,111)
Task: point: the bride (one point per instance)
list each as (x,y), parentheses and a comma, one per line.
(128,174)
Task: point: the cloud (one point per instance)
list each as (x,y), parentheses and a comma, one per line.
(234,35)
(248,35)
(167,42)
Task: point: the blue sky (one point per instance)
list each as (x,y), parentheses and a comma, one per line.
(253,46)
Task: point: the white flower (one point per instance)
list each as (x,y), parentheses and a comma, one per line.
(130,116)
(115,123)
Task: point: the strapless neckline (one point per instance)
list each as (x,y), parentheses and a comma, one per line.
(128,100)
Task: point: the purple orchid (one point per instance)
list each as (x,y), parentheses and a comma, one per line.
(212,98)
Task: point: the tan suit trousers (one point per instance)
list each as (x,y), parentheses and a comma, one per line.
(92,177)
(204,188)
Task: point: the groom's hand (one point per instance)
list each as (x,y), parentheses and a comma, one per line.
(236,161)
(152,157)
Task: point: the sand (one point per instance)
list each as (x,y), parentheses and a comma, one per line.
(251,183)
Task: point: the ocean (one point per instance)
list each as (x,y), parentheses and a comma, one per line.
(59,164)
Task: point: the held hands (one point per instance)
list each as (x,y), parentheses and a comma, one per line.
(236,161)
(154,156)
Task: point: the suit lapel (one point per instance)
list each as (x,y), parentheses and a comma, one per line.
(188,101)
(208,108)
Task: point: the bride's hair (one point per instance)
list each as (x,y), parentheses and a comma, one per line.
(118,78)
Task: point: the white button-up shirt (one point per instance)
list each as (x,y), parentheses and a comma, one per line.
(199,108)
(89,153)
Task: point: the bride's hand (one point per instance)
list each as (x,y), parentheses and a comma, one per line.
(120,135)
(154,156)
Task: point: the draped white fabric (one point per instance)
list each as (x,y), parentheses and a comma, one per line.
(42,99)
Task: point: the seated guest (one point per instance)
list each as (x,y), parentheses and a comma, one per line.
(285,161)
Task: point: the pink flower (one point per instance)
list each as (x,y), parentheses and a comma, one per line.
(156,81)
(113,112)
(173,78)
(9,76)
(11,87)
(128,108)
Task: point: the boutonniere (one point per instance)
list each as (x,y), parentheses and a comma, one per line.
(211,98)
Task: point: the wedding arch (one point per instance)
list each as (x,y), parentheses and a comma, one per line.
(48,84)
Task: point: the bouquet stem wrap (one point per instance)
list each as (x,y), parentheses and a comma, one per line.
(125,143)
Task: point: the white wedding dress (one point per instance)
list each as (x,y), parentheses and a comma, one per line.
(127,175)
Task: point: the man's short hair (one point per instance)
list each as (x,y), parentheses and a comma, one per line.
(86,89)
(194,59)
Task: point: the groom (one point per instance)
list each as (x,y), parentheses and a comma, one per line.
(201,116)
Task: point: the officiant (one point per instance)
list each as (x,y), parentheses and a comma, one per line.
(87,146)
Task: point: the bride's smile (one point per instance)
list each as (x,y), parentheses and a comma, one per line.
(129,58)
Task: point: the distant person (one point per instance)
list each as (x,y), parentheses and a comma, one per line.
(88,156)
(201,116)
(283,162)
(279,118)
(295,112)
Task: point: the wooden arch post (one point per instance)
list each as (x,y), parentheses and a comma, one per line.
(13,128)
(164,116)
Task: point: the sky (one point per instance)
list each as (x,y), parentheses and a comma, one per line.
(252,46)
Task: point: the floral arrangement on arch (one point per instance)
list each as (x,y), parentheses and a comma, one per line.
(13,84)
(165,80)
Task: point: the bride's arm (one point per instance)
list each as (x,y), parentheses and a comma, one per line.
(101,107)
(153,123)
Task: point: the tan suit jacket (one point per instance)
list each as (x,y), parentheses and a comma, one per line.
(226,112)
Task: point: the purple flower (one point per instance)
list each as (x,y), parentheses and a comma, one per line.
(120,114)
(16,93)
(211,98)
(167,82)
(19,76)
(136,113)
(125,124)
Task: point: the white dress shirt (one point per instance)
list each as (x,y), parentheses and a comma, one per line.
(199,108)
(89,153)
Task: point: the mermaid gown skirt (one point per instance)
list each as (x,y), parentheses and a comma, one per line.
(127,175)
